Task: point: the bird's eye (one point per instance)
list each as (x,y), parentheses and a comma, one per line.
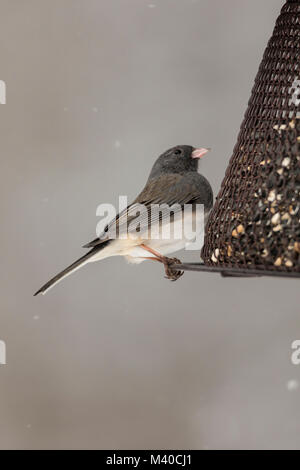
(178,152)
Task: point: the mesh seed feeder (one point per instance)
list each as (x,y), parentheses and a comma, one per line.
(254,227)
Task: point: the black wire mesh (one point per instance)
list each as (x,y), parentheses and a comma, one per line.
(255,221)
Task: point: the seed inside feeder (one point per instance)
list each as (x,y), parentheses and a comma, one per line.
(272,195)
(275,219)
(297,247)
(289,263)
(277,228)
(286,162)
(214,256)
(278,261)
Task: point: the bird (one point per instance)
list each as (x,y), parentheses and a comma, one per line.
(174,181)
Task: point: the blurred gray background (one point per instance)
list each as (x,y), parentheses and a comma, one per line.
(116,356)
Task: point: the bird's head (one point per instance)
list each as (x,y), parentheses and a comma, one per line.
(179,159)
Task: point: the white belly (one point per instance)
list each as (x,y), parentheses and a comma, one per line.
(167,244)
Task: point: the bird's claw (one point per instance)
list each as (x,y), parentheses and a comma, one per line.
(171,273)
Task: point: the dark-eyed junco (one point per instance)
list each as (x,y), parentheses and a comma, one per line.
(173,181)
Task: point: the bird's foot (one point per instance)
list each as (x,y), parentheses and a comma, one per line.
(171,273)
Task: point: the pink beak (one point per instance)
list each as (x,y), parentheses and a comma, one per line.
(199,153)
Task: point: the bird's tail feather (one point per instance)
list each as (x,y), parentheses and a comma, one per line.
(66,272)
